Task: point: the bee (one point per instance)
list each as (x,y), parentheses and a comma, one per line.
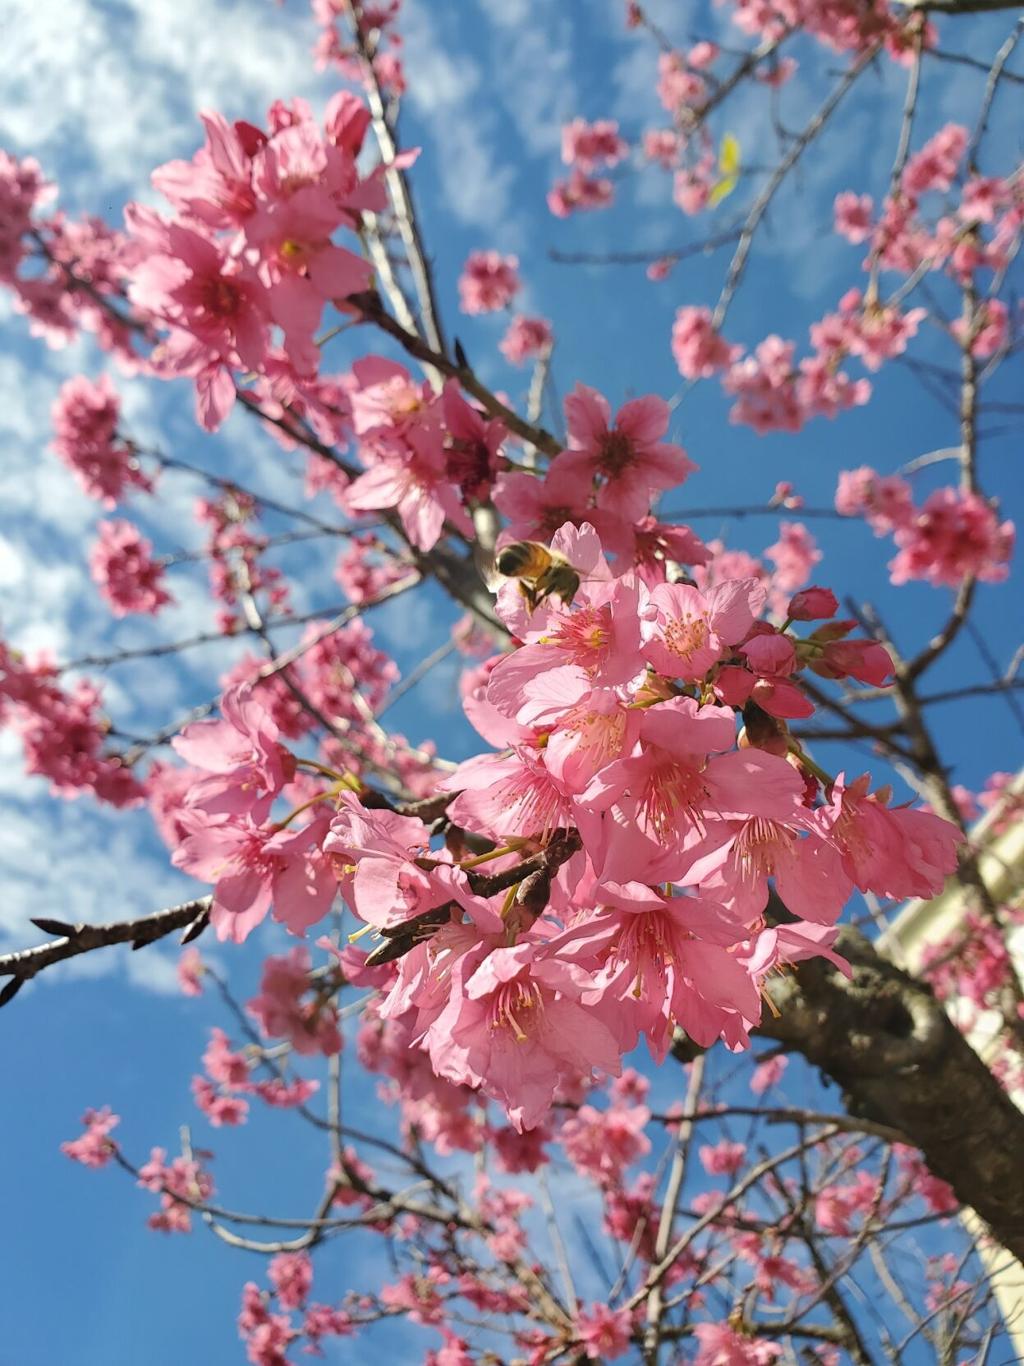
(542,572)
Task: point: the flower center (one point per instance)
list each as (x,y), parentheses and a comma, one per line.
(684,636)
(512,1007)
(617,454)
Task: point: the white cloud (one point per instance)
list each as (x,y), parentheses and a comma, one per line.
(93,86)
(447,92)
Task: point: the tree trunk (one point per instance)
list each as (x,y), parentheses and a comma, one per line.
(888,1043)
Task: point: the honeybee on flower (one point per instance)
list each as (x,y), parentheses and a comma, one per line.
(541,571)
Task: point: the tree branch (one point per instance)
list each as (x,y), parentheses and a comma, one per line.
(76,939)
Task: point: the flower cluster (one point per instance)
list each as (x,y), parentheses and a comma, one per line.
(63,732)
(954,533)
(250,248)
(489,282)
(85,437)
(64,274)
(616,717)
(123,568)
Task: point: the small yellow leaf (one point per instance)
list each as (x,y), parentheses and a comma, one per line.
(729,155)
(729,169)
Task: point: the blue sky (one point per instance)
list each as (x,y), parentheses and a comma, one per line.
(101,92)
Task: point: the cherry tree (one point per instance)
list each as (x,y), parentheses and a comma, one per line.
(650,1078)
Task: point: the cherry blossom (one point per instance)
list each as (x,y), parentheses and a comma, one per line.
(123,567)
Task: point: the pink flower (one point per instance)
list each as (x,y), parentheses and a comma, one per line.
(22,189)
(676,85)
(95,1147)
(689,631)
(472,446)
(982,198)
(190,972)
(701,55)
(698,349)
(883,500)
(223,1065)
(122,565)
(410,475)
(377,853)
(989,330)
(304,268)
(590,145)
(525,337)
(489,282)
(794,554)
(220,1109)
(661,961)
(536,508)
(853,216)
(514,795)
(579,192)
(720,1345)
(865,660)
(516,1028)
(691,186)
(954,534)
(247,765)
(281,1012)
(722,1158)
(291,1275)
(763,384)
(896,852)
(935,165)
(768,1074)
(937,1194)
(216,185)
(85,418)
(602,1143)
(417,1296)
(604,1332)
(782,841)
(812,604)
(628,454)
(322,1321)
(252,866)
(215,305)
(662,145)
(181,1179)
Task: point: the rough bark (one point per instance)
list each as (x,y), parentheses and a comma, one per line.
(888,1043)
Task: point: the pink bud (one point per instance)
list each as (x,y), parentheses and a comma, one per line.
(812,604)
(860,659)
(771,654)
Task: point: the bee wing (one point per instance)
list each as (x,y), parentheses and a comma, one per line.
(491,577)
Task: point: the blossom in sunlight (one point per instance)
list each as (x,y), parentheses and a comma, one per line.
(122,566)
(291,1275)
(489,282)
(626,453)
(309,1026)
(240,752)
(526,337)
(85,437)
(699,350)
(853,213)
(95,1147)
(589,145)
(604,1332)
(579,191)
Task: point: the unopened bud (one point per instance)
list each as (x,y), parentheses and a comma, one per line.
(812,604)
